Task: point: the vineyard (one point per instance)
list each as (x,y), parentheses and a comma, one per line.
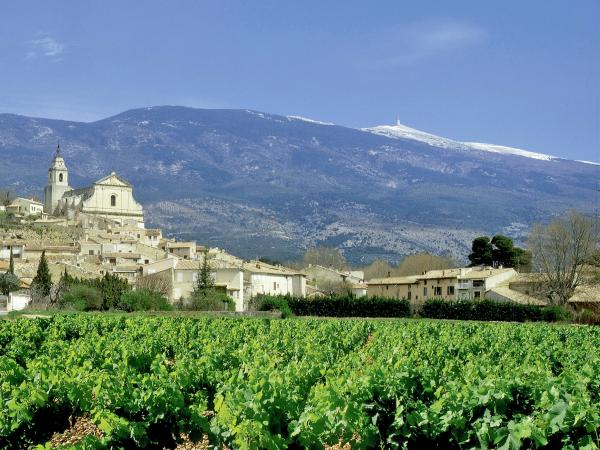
(160,382)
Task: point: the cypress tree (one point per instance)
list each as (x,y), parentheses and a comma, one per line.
(42,279)
(204,281)
(11,266)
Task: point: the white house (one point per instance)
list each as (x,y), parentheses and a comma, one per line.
(261,278)
(18,300)
(183,274)
(26,207)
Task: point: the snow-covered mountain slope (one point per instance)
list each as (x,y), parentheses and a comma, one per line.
(400,131)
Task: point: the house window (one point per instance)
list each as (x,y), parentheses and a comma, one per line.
(477,294)
(113,200)
(450,290)
(91,252)
(424,292)
(409,295)
(477,283)
(60,177)
(437,291)
(425,282)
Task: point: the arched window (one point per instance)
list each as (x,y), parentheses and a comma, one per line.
(60,177)
(113,200)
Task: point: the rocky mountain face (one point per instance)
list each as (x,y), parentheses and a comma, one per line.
(260,184)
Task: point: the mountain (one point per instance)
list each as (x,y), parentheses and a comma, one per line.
(262,184)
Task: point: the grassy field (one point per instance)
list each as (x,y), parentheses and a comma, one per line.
(102,381)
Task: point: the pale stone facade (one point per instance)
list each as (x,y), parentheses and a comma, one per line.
(110,198)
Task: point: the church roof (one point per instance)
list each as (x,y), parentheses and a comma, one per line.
(85,192)
(113,180)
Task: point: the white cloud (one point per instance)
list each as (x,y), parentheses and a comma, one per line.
(45,47)
(418,42)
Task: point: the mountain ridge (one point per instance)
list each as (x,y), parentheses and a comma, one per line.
(264,184)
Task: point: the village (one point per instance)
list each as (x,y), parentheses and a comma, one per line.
(97,230)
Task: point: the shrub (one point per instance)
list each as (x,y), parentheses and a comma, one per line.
(82,298)
(487,310)
(278,303)
(143,300)
(9,283)
(337,306)
(210,300)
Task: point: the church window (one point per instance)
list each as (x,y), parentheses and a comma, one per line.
(60,177)
(113,200)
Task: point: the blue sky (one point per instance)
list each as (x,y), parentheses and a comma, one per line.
(518,73)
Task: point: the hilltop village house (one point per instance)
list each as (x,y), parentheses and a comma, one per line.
(109,198)
(469,283)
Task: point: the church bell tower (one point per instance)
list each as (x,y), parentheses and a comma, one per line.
(58,182)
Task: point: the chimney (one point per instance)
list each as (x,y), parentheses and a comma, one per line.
(463,271)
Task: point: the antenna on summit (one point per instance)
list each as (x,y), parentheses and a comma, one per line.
(397,121)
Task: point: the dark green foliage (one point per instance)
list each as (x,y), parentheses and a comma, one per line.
(110,286)
(481,252)
(275,303)
(11,264)
(522,260)
(499,251)
(337,306)
(489,310)
(82,298)
(143,301)
(205,280)
(9,282)
(210,299)
(504,250)
(42,280)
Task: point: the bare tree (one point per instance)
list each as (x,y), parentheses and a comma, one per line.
(422,262)
(326,257)
(560,251)
(156,282)
(6,197)
(379,268)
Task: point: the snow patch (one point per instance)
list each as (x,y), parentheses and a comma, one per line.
(400,131)
(587,162)
(306,119)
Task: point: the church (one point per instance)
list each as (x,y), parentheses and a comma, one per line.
(109,199)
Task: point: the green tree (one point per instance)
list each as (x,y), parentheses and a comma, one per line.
(503,252)
(522,260)
(112,288)
(42,280)
(9,282)
(482,251)
(11,265)
(204,280)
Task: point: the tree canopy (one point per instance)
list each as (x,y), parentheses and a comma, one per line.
(499,251)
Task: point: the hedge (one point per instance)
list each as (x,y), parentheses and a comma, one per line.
(350,306)
(489,310)
(336,306)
